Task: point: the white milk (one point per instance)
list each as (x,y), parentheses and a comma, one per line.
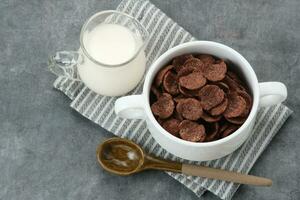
(112,44)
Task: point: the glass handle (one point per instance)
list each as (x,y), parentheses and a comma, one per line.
(64,64)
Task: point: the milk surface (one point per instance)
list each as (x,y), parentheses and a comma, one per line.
(112,44)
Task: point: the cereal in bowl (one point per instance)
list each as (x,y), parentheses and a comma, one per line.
(198,99)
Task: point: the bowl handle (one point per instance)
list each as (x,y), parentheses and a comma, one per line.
(130,107)
(272,93)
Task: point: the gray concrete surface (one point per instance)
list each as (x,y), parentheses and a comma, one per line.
(47,150)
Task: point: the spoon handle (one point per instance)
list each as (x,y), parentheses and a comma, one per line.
(224,175)
(159,164)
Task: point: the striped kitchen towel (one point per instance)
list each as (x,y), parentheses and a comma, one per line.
(164,34)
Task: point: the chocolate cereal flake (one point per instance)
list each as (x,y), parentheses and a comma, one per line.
(189,108)
(236,106)
(215,72)
(164,106)
(192,131)
(210,96)
(229,130)
(170,83)
(236,120)
(219,109)
(172,126)
(180,60)
(206,59)
(208,118)
(192,81)
(160,75)
(194,63)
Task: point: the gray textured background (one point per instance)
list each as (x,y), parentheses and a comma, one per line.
(47,150)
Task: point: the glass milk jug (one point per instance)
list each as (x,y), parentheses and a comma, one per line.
(111,59)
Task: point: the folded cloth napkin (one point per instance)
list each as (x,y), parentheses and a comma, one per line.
(164,34)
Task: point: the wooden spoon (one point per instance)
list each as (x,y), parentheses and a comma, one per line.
(124,157)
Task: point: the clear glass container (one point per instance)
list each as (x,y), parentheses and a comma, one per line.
(111,59)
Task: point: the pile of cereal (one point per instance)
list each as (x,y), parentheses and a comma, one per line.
(196,98)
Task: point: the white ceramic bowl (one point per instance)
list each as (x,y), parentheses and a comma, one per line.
(264,94)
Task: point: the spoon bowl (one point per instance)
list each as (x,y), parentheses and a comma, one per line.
(120,156)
